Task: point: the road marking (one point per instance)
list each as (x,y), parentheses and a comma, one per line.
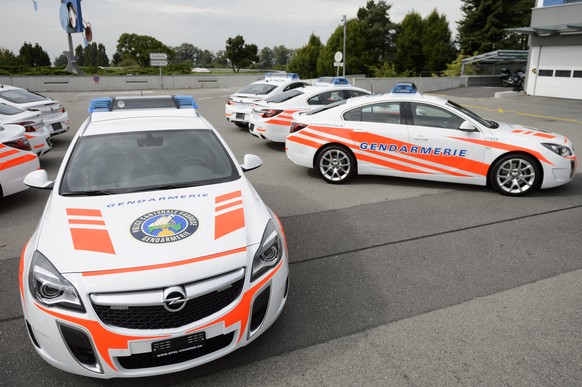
(500,110)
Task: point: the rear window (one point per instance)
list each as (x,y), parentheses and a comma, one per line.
(285,96)
(325,107)
(21,96)
(257,88)
(9,110)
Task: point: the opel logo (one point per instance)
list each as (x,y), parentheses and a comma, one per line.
(174,299)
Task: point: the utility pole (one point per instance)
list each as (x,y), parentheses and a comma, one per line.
(345,25)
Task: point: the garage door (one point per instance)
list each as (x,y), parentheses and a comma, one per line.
(559,72)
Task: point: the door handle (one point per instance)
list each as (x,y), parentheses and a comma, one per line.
(421,138)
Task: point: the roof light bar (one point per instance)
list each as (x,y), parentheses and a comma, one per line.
(333,81)
(104,104)
(280,76)
(404,88)
(185,102)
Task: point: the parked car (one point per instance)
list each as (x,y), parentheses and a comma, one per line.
(16,159)
(35,131)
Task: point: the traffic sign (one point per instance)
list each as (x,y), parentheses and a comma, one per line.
(158,56)
(158,62)
(338,64)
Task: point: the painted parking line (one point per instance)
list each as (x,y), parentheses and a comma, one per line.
(499,110)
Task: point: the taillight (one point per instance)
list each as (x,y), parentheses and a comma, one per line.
(270,113)
(296,127)
(21,143)
(229,101)
(28,126)
(62,109)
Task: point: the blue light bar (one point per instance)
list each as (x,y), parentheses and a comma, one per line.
(280,76)
(104,104)
(185,102)
(332,81)
(404,88)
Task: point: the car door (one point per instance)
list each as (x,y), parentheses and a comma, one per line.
(378,132)
(439,149)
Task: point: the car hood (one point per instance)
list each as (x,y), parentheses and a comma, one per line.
(152,229)
(525,133)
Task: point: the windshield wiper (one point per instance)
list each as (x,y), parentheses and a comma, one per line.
(89,193)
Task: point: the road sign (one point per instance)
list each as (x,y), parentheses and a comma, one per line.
(158,56)
(338,64)
(338,56)
(158,62)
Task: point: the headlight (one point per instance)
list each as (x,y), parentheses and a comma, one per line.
(269,253)
(561,150)
(49,287)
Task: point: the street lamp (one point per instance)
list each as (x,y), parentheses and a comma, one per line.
(344,20)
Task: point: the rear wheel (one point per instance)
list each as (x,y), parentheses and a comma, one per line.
(515,175)
(335,164)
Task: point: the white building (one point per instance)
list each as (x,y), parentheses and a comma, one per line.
(555,49)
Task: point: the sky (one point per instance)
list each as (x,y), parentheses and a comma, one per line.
(204,23)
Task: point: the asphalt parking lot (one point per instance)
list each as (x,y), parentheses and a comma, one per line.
(393,282)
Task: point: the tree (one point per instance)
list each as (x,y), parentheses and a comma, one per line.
(33,56)
(221,58)
(240,54)
(409,58)
(380,31)
(7,58)
(116,59)
(282,56)
(437,48)
(61,61)
(304,62)
(266,58)
(92,55)
(207,58)
(138,48)
(187,53)
(484,23)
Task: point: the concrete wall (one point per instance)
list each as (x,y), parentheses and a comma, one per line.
(176,82)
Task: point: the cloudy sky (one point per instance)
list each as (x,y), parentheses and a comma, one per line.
(204,23)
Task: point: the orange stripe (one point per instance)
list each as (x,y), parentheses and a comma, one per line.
(83,212)
(228,196)
(238,202)
(544,135)
(92,240)
(388,164)
(8,153)
(164,265)
(86,221)
(17,161)
(38,146)
(508,147)
(103,338)
(303,141)
(279,122)
(228,222)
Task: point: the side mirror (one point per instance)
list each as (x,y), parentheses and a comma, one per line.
(38,179)
(251,162)
(466,126)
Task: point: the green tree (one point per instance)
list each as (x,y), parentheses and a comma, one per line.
(61,61)
(7,58)
(358,59)
(409,58)
(484,24)
(33,56)
(266,58)
(138,48)
(187,53)
(304,62)
(282,56)
(437,47)
(116,59)
(240,54)
(220,58)
(206,59)
(92,55)
(380,32)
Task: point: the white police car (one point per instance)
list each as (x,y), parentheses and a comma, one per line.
(407,134)
(35,131)
(238,106)
(271,118)
(16,159)
(154,253)
(53,113)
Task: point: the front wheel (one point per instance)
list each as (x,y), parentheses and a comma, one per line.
(515,175)
(335,164)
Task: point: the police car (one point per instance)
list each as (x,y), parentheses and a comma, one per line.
(154,253)
(35,131)
(408,134)
(271,118)
(16,159)
(238,106)
(53,113)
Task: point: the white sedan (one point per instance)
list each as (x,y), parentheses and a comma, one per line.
(271,118)
(407,134)
(16,159)
(38,135)
(154,253)
(53,113)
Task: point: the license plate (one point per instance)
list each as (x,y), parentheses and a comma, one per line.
(240,116)
(57,125)
(178,345)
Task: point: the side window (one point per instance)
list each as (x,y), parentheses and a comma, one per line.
(428,115)
(385,113)
(356,93)
(326,98)
(293,86)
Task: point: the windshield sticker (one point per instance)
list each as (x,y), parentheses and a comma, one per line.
(164,226)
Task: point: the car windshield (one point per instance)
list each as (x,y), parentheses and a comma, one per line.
(257,88)
(9,110)
(285,96)
(21,96)
(325,107)
(488,123)
(146,161)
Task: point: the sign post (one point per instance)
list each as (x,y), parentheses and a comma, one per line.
(338,62)
(159,59)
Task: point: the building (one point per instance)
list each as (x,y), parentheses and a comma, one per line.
(555,49)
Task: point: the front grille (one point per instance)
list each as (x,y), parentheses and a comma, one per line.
(157,317)
(147,360)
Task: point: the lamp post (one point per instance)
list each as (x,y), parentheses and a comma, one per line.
(344,20)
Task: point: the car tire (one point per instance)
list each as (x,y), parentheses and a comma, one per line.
(515,175)
(505,83)
(335,164)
